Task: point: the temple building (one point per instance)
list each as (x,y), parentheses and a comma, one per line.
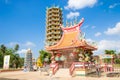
(72,47)
(53,29)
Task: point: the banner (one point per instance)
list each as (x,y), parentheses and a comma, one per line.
(6,62)
(106,56)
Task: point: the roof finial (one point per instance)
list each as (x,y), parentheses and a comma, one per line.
(71,23)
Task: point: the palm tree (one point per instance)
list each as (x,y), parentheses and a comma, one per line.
(44,55)
(110,52)
(16,61)
(3,49)
(118,55)
(2,53)
(16,47)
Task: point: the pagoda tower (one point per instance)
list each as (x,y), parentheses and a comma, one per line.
(53,29)
(28,60)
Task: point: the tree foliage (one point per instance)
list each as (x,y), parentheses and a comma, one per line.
(112,52)
(15,60)
(44,55)
(16,48)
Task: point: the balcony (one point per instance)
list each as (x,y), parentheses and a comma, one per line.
(53,23)
(56,32)
(56,15)
(56,28)
(54,19)
(56,37)
(48,29)
(52,29)
(50,37)
(49,33)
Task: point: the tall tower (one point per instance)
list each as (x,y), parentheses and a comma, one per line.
(28,60)
(53,22)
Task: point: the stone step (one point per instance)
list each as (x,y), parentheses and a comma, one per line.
(62,72)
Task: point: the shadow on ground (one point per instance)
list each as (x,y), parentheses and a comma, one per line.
(7,79)
(107,74)
(113,74)
(94,75)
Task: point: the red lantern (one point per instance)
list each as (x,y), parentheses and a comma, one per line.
(58,55)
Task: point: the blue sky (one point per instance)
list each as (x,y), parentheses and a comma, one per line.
(23,22)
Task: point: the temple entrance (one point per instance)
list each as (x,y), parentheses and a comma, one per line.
(65,58)
(67,62)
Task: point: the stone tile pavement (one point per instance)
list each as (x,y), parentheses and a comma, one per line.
(20,75)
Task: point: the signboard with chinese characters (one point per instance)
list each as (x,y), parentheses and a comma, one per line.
(6,62)
(106,56)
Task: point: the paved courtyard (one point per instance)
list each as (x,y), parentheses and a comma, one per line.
(20,75)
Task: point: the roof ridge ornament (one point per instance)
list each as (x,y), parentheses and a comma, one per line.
(81,36)
(73,28)
(67,24)
(75,21)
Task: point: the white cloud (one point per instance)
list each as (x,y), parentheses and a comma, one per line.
(79,4)
(114,5)
(113,31)
(90,40)
(12,44)
(97,34)
(29,44)
(71,15)
(107,45)
(93,27)
(22,51)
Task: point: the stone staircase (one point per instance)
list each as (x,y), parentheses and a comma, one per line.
(62,72)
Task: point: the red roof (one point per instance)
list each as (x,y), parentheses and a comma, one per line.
(70,39)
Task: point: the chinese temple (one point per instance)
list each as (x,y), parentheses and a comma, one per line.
(72,47)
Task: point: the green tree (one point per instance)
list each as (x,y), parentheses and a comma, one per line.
(3,49)
(44,55)
(118,55)
(2,53)
(16,48)
(117,61)
(117,58)
(1,60)
(21,62)
(15,60)
(109,52)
